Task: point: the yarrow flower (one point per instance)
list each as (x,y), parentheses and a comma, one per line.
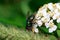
(52,27)
(47,14)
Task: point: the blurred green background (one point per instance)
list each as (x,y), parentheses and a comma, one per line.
(15,11)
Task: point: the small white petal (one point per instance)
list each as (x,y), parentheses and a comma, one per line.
(50,6)
(48,19)
(39,22)
(47,25)
(50,30)
(56,10)
(36,30)
(46,15)
(37,16)
(51,20)
(43,11)
(57,14)
(38,12)
(35,25)
(54,28)
(58,20)
(54,17)
(58,5)
(45,19)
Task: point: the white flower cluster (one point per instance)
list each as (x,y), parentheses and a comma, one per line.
(46,15)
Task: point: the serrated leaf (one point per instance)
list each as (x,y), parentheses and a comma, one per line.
(58,25)
(58,33)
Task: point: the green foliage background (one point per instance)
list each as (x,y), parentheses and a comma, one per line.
(15,11)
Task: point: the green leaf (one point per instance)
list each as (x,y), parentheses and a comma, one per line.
(52,37)
(58,25)
(58,33)
(44,29)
